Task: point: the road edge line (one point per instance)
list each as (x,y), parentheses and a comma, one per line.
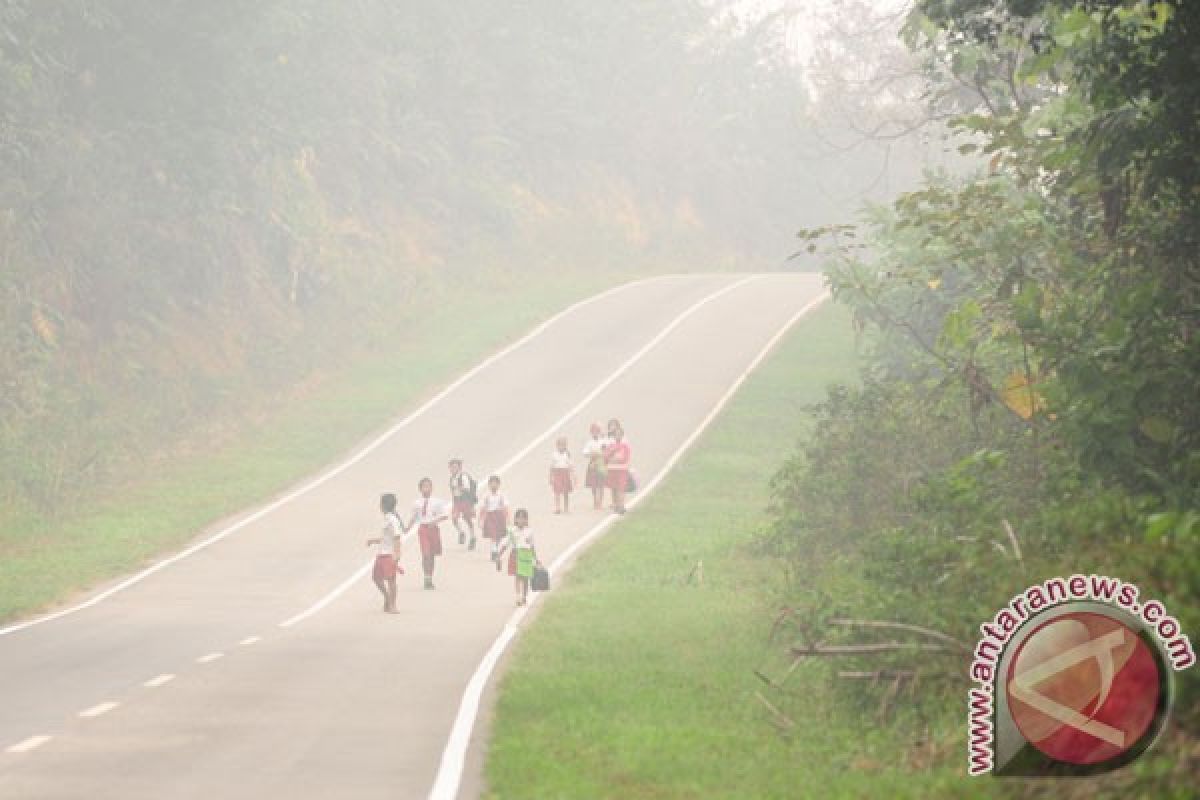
(638,355)
(449,776)
(330,473)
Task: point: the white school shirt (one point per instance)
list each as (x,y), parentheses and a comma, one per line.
(427,515)
(560,460)
(595,447)
(522,538)
(494,502)
(387,537)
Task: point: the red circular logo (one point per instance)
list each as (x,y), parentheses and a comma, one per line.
(1083,688)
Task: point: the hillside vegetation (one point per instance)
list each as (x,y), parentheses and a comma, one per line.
(1029,404)
(205,205)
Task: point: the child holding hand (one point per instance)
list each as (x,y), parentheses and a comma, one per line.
(387,553)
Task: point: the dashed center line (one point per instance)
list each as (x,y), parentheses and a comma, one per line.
(31,743)
(208,659)
(154,683)
(249,640)
(332,472)
(543,436)
(96,711)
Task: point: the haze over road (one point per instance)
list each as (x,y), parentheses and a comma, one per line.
(186,685)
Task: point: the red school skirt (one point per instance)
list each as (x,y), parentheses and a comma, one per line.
(618,477)
(561,477)
(430,537)
(385,567)
(494,524)
(594,479)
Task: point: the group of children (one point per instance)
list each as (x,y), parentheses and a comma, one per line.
(608,467)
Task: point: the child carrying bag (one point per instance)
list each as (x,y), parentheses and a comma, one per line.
(541,579)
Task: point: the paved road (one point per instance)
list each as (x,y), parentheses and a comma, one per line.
(346,701)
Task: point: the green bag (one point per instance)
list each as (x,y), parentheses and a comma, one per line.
(524,562)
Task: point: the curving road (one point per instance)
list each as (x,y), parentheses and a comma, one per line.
(256,664)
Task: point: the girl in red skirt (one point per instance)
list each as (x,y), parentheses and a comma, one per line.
(493,517)
(387,553)
(593,451)
(428,513)
(522,556)
(562,476)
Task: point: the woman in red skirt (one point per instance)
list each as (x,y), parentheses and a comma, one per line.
(616,459)
(493,517)
(562,476)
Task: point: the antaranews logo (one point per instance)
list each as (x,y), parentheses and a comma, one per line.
(1074,678)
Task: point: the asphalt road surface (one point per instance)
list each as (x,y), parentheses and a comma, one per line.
(261,666)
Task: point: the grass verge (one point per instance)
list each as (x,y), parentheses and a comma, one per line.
(45,559)
(636,683)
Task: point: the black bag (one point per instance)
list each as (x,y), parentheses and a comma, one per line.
(541,579)
(466,486)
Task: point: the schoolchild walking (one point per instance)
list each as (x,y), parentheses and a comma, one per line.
(596,476)
(522,555)
(387,553)
(493,517)
(462,493)
(428,514)
(616,459)
(562,476)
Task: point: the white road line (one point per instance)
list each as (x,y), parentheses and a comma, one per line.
(154,683)
(621,370)
(449,776)
(329,598)
(208,659)
(662,334)
(249,640)
(327,475)
(96,711)
(32,743)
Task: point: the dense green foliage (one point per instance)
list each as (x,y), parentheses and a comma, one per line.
(1030,408)
(206,202)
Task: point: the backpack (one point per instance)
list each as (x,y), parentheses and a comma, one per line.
(469,493)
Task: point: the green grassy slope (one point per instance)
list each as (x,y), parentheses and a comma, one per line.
(636,683)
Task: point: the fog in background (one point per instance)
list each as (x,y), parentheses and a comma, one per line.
(204,202)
